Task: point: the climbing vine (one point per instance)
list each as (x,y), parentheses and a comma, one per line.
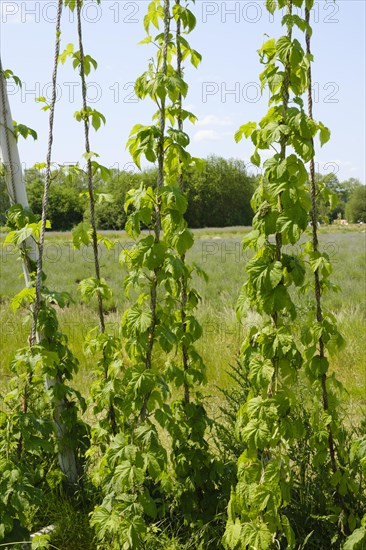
(106,389)
(161,322)
(273,357)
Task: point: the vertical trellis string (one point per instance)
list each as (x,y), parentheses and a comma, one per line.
(48,176)
(278,237)
(160,183)
(183,296)
(89,165)
(314,221)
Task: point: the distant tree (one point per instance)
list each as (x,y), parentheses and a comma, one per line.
(331,181)
(347,188)
(109,211)
(110,214)
(217,197)
(330,208)
(65,206)
(220,195)
(344,190)
(328,186)
(339,211)
(356,207)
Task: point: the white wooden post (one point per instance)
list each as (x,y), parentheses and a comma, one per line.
(9,157)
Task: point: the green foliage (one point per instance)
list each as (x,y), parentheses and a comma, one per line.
(356,207)
(17,496)
(111,214)
(219,195)
(65,207)
(24,131)
(107,390)
(95,116)
(357,540)
(7,74)
(333,200)
(39,420)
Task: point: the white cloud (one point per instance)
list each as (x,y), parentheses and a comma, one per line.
(209,123)
(206,135)
(213,120)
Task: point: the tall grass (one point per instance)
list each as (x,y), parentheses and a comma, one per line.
(219,253)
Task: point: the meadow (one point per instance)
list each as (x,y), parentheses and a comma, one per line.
(219,252)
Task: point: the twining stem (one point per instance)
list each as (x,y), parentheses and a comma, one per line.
(25,399)
(111,410)
(157,224)
(89,166)
(183,296)
(285,101)
(278,237)
(314,222)
(47,183)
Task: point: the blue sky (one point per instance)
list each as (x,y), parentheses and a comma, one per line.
(224,91)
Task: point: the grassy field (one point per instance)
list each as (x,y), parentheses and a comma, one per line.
(219,253)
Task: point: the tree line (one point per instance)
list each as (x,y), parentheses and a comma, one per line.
(218,196)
